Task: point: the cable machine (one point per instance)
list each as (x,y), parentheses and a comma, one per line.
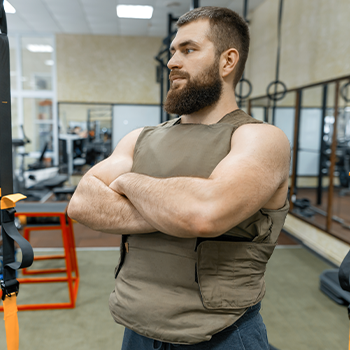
(277,95)
(9,283)
(243,80)
(163,58)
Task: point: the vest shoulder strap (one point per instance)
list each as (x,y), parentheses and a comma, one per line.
(238,118)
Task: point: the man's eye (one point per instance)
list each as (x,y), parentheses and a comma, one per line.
(189,50)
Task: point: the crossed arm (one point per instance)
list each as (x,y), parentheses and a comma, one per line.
(97,206)
(193,207)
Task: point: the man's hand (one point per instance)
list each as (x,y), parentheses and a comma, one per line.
(117,184)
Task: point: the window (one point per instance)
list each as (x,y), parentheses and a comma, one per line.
(33,92)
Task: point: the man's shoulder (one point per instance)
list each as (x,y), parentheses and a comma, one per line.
(261,138)
(262,130)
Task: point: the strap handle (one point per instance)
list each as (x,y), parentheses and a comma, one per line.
(11,235)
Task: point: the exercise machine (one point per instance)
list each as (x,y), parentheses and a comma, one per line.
(9,233)
(39,180)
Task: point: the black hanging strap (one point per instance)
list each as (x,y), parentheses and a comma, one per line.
(12,235)
(279,39)
(3,23)
(276,96)
(243,79)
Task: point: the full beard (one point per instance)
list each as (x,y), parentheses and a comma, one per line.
(200,92)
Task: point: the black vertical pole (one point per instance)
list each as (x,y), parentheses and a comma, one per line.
(194,4)
(245,13)
(170,27)
(320,174)
(297,141)
(278,59)
(6,180)
(170,30)
(161,78)
(266,114)
(245,10)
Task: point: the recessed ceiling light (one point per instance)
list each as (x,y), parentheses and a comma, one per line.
(40,48)
(8,7)
(134,11)
(49,62)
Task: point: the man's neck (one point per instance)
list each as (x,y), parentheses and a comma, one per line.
(211,114)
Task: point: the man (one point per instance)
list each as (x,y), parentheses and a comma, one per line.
(199,200)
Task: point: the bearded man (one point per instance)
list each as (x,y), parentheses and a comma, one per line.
(199,201)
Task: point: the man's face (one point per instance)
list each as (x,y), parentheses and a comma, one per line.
(195,75)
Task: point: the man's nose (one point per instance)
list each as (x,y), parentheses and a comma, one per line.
(174,62)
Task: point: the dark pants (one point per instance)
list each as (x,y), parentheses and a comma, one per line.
(248,333)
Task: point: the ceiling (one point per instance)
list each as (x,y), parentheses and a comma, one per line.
(99,16)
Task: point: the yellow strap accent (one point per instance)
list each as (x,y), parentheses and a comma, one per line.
(9,201)
(11,322)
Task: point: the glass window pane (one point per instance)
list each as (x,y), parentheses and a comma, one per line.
(85,135)
(37,61)
(13,65)
(312,179)
(38,124)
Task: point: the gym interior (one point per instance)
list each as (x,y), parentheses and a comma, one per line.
(82,77)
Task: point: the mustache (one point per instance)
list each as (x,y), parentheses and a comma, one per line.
(179,73)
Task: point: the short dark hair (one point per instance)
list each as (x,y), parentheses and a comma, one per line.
(227,30)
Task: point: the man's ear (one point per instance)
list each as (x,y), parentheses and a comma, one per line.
(229,61)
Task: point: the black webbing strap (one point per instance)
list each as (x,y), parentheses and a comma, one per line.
(276,96)
(243,79)
(8,229)
(12,235)
(279,30)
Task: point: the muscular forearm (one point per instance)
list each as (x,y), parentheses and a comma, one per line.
(97,206)
(176,206)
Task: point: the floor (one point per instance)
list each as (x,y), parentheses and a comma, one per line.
(340,206)
(296,313)
(298,316)
(85,237)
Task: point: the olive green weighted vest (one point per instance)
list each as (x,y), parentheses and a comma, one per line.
(184,290)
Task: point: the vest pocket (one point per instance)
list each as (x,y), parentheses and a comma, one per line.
(231,274)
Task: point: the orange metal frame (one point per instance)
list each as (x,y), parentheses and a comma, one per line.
(71,270)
